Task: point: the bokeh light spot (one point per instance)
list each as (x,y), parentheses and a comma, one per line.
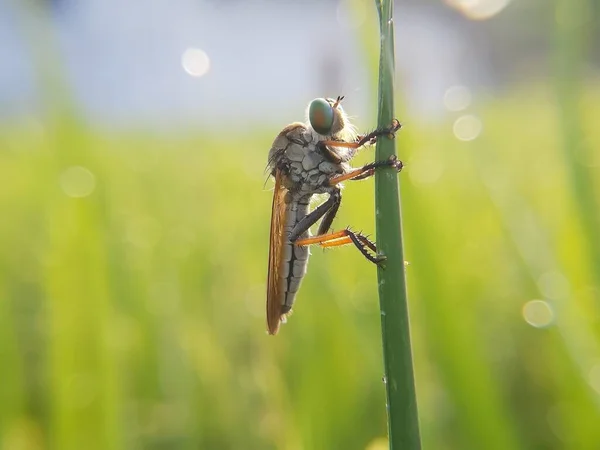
(77,182)
(23,433)
(478,9)
(467,128)
(457,98)
(379,443)
(195,62)
(538,313)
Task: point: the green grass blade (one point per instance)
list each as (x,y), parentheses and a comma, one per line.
(571,41)
(403,424)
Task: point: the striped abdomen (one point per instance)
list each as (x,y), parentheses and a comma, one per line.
(294,259)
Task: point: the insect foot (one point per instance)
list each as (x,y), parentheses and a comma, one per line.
(394,162)
(380,261)
(395,126)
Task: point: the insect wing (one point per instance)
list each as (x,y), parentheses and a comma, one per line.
(276,243)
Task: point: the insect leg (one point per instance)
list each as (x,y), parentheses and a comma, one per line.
(370,171)
(330,215)
(369,138)
(332,203)
(387,131)
(346,240)
(366,171)
(344,237)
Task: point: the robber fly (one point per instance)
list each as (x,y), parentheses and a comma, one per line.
(307,159)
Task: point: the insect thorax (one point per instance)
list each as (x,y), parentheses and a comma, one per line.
(306,168)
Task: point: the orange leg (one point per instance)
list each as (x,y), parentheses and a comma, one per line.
(321,238)
(348,240)
(345,237)
(342,144)
(350,175)
(371,138)
(336,242)
(366,171)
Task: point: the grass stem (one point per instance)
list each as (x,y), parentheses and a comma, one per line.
(403,424)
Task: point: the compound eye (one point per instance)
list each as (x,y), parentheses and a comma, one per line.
(320,116)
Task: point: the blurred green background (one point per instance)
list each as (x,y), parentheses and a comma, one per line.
(133,267)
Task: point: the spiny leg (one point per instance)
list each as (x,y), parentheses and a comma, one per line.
(346,240)
(367,170)
(388,131)
(328,209)
(338,238)
(345,237)
(369,138)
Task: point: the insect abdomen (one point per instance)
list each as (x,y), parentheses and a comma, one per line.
(294,258)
